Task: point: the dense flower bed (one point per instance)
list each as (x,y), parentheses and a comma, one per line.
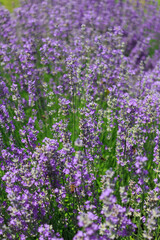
(79,120)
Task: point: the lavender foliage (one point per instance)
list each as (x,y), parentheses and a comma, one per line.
(79,120)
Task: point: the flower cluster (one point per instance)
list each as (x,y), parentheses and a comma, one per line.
(79,120)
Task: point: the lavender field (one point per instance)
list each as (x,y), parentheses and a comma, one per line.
(80,120)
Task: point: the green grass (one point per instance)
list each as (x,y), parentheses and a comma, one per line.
(10,4)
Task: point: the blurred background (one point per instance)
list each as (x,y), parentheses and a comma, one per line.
(11,4)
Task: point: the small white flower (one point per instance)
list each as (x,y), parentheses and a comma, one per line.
(78,142)
(14,98)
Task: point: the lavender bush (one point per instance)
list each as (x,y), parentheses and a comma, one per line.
(80,120)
